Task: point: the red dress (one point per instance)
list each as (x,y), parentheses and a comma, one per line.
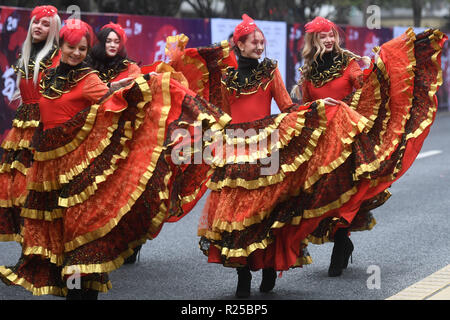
(85,89)
(252,101)
(101,182)
(339,88)
(17,155)
(333,161)
(340,83)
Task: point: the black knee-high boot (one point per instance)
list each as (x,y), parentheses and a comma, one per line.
(269,276)
(342,250)
(244,282)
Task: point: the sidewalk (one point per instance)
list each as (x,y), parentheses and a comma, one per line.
(434,287)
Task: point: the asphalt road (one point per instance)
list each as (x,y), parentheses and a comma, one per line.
(409,242)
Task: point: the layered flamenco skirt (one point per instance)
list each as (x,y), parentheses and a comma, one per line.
(335,162)
(16,159)
(100,184)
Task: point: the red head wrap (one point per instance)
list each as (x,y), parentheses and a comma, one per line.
(319,24)
(74,30)
(246,27)
(117,29)
(43,11)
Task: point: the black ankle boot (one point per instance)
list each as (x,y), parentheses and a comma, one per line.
(244,282)
(342,250)
(132,259)
(74,294)
(269,276)
(82,294)
(90,295)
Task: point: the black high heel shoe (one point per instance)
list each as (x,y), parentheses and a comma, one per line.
(342,250)
(132,259)
(269,276)
(244,282)
(82,294)
(90,295)
(74,294)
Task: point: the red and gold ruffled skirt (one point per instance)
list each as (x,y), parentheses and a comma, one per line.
(335,163)
(16,159)
(100,184)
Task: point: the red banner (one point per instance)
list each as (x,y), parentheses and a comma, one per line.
(146,42)
(360,41)
(147,36)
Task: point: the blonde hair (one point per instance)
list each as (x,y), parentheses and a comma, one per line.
(314,49)
(52,39)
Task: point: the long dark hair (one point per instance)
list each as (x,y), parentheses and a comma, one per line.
(97,56)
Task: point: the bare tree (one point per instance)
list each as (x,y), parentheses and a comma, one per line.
(85,5)
(142,7)
(365,4)
(417,12)
(203,8)
(235,8)
(280,10)
(309,9)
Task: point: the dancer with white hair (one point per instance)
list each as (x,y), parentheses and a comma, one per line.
(40,51)
(102,175)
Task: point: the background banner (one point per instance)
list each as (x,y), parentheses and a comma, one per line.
(360,41)
(147,37)
(146,42)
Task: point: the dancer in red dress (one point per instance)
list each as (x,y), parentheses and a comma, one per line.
(40,51)
(109,57)
(333,74)
(101,178)
(335,158)
(249,89)
(247,93)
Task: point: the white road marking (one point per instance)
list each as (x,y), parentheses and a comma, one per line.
(427,154)
(433,287)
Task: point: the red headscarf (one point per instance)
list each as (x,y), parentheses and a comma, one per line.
(74,30)
(43,11)
(246,27)
(117,29)
(319,24)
